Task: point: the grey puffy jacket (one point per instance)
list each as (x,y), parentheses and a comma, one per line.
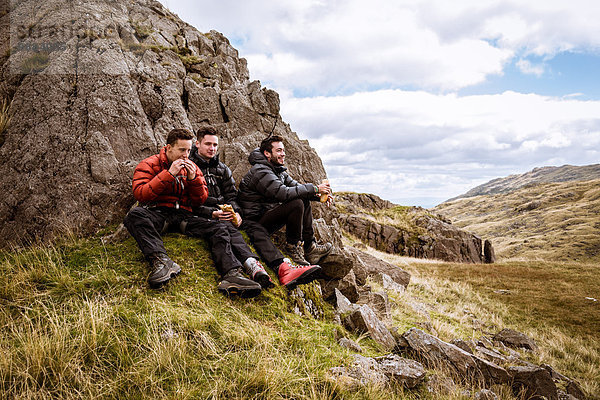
(266,186)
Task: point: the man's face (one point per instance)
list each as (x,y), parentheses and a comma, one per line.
(277,154)
(180,149)
(207,146)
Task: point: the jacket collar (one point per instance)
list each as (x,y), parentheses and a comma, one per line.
(162,156)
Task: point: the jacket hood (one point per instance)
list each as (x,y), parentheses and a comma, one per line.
(257,157)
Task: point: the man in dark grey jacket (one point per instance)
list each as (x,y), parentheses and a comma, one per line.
(271,199)
(222,191)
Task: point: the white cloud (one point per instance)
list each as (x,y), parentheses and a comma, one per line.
(527,67)
(400,144)
(322,46)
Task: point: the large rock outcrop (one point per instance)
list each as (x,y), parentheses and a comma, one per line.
(94,87)
(423,234)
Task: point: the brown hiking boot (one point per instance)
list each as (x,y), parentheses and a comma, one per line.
(296,253)
(315,252)
(163,269)
(234,283)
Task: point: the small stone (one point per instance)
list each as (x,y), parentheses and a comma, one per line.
(486,394)
(350,344)
(516,339)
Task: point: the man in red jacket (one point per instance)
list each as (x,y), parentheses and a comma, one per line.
(167,186)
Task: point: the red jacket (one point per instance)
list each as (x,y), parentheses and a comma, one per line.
(154,185)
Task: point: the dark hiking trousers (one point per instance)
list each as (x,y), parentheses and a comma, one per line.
(295,215)
(146,225)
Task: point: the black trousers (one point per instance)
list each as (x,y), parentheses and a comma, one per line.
(226,243)
(295,215)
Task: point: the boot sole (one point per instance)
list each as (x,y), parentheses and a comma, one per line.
(307,277)
(243,292)
(173,272)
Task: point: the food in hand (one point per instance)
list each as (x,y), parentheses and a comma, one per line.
(324,196)
(228,208)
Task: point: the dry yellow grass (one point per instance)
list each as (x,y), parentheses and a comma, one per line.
(553,302)
(552,221)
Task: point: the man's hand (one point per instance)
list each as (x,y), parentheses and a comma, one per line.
(222,215)
(191,169)
(228,216)
(179,164)
(239,220)
(324,188)
(176,166)
(329,201)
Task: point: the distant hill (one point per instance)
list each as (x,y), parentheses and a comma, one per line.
(566,173)
(530,219)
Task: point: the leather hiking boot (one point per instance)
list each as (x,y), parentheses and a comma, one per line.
(291,275)
(296,253)
(316,252)
(163,269)
(234,283)
(257,272)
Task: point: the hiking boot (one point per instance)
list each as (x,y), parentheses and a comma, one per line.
(296,253)
(235,283)
(163,270)
(257,272)
(291,275)
(316,252)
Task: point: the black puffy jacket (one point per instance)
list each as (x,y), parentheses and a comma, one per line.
(220,182)
(266,186)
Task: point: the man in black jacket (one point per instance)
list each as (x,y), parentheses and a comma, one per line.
(222,191)
(271,199)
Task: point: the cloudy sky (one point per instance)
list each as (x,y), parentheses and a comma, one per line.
(419,101)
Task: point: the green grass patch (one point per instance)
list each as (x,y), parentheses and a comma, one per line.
(142,31)
(190,60)
(35,63)
(78,320)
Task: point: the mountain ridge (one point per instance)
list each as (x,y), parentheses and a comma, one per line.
(548,174)
(547,220)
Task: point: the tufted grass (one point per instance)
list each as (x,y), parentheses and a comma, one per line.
(553,302)
(5,118)
(77,320)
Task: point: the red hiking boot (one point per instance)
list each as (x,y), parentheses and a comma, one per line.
(291,275)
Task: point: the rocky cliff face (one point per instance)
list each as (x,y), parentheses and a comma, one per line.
(408,231)
(94,87)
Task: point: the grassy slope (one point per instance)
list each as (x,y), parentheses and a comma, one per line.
(536,176)
(77,321)
(552,221)
(550,301)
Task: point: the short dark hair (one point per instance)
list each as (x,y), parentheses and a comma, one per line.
(179,134)
(206,130)
(267,144)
